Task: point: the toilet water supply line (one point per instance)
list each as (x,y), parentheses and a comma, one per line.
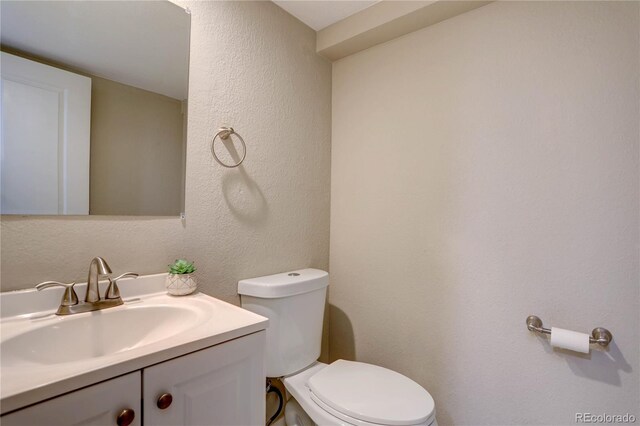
(277,391)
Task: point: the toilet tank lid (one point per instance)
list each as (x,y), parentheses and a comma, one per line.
(284,284)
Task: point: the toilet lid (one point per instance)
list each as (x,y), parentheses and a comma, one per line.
(372,394)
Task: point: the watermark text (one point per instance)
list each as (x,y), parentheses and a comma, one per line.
(604,418)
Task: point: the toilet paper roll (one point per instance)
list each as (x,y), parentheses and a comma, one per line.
(572,340)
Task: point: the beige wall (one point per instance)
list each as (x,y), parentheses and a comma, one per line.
(136,151)
(254,67)
(485,169)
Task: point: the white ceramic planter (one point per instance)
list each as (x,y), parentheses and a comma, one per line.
(181,284)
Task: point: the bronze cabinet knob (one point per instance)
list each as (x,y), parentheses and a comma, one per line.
(125,418)
(164,401)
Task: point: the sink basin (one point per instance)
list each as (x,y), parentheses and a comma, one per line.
(99,333)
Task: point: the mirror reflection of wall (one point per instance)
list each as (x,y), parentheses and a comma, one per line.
(133,158)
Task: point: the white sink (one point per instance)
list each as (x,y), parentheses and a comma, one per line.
(43,355)
(97,334)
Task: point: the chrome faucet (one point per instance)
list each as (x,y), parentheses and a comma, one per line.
(98,268)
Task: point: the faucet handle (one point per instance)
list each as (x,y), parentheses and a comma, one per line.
(127,275)
(69,297)
(113,292)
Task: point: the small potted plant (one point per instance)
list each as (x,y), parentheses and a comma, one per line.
(181,279)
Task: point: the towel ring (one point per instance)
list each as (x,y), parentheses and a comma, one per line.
(225,133)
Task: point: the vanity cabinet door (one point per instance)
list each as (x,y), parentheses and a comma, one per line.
(221,385)
(97,405)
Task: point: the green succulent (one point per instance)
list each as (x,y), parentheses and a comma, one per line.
(181,266)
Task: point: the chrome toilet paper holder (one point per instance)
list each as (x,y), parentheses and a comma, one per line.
(599,335)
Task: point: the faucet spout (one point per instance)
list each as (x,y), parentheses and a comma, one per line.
(97,268)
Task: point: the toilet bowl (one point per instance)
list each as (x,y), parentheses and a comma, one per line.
(340,393)
(358,394)
(294,415)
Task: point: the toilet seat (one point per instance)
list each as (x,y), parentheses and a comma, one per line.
(359,394)
(346,420)
(371,394)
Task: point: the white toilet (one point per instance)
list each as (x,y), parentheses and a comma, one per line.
(341,393)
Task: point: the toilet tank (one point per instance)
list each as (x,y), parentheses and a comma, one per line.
(294,303)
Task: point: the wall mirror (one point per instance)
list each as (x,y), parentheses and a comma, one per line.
(94,107)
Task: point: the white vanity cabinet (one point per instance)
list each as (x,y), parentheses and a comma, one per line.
(97,405)
(220,385)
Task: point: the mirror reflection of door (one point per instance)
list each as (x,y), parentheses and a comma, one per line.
(46,116)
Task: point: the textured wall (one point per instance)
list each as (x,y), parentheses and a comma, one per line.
(254,67)
(485,169)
